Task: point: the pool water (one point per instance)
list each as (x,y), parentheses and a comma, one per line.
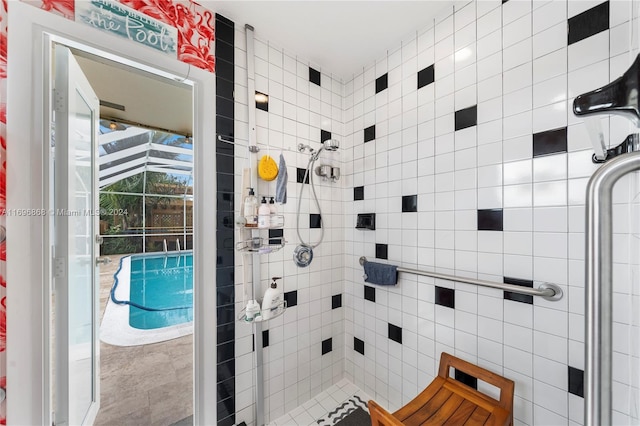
(164,286)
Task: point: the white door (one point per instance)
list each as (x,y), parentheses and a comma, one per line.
(76,275)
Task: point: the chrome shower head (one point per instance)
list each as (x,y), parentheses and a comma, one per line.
(331,144)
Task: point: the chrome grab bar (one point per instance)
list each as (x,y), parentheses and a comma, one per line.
(598,300)
(548,291)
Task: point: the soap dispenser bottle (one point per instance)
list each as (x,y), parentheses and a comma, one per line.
(275,222)
(272,300)
(264,214)
(250,207)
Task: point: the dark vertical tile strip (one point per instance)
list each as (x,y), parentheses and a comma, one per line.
(358,345)
(369,293)
(466,117)
(314,76)
(382,83)
(265,338)
(370,133)
(358,193)
(225,255)
(426,76)
(550,142)
(336,301)
(588,23)
(517,297)
(490,220)
(446,297)
(382,251)
(409,203)
(576,381)
(395,333)
(327,346)
(467,379)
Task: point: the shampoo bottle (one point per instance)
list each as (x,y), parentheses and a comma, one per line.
(264,214)
(274,212)
(252,312)
(272,300)
(250,207)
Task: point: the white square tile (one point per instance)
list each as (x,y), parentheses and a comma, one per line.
(549,40)
(516,31)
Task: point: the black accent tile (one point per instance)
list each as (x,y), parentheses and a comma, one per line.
(550,142)
(224,32)
(336,301)
(275,236)
(466,117)
(467,379)
(369,293)
(576,381)
(224,127)
(225,257)
(265,338)
(490,220)
(225,148)
(370,133)
(327,346)
(262,101)
(225,69)
(224,50)
(224,164)
(292,298)
(588,23)
(358,193)
(409,203)
(226,351)
(226,370)
(426,76)
(382,82)
(517,297)
(225,201)
(224,89)
(358,345)
(382,251)
(226,389)
(446,297)
(315,220)
(395,333)
(225,276)
(225,333)
(225,220)
(324,135)
(223,20)
(242,424)
(226,409)
(504,1)
(225,315)
(314,76)
(224,107)
(228,421)
(224,240)
(225,182)
(300,175)
(224,295)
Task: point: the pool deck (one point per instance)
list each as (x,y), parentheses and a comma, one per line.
(147,384)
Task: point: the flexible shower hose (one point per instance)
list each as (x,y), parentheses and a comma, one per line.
(312,161)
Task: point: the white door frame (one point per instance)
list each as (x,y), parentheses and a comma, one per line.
(28,246)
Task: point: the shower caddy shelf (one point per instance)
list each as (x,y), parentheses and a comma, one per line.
(278,217)
(248,246)
(279,310)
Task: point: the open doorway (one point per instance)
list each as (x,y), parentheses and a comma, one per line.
(142,164)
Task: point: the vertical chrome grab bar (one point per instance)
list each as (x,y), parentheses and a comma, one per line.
(598,300)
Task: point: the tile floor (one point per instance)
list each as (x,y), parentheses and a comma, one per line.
(327,407)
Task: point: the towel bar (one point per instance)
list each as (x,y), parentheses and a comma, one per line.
(548,291)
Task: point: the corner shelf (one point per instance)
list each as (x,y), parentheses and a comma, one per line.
(276,312)
(250,246)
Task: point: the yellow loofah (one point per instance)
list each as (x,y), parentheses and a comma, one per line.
(267,168)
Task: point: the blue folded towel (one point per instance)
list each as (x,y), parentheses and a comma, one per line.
(281,183)
(379,273)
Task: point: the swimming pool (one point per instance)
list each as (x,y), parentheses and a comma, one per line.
(160,289)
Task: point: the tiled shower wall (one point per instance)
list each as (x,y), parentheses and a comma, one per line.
(463,143)
(303,348)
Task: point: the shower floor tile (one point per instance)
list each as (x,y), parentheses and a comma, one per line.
(327,408)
